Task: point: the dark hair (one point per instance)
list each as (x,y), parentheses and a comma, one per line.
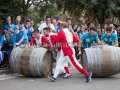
(109,29)
(17,15)
(115,25)
(40,20)
(7,34)
(36,31)
(74,25)
(21,23)
(68,19)
(28,20)
(47,28)
(93,28)
(47,17)
(89,24)
(53,19)
(87,29)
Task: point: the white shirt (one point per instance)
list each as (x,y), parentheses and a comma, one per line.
(115,32)
(39,41)
(44,25)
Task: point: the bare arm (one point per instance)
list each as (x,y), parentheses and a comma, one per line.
(0,47)
(99,42)
(21,40)
(116,44)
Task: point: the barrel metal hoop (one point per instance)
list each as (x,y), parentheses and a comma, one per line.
(37,62)
(89,59)
(19,58)
(32,60)
(96,61)
(12,56)
(113,58)
(116,59)
(41,58)
(99,60)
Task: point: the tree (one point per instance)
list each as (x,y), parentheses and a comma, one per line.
(24,5)
(8,8)
(46,8)
(98,10)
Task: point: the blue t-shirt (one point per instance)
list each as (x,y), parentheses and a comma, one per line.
(79,32)
(7,27)
(29,34)
(20,35)
(57,28)
(87,40)
(109,40)
(15,27)
(3,40)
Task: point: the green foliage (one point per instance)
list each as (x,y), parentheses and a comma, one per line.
(99,10)
(8,8)
(46,8)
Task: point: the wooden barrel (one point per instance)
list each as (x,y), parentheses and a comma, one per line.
(102,61)
(31,61)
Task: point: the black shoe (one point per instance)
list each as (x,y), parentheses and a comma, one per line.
(88,78)
(52,74)
(52,78)
(62,74)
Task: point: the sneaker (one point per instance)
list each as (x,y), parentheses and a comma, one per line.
(67,76)
(52,78)
(62,74)
(88,78)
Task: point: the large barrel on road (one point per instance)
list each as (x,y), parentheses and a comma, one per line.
(102,61)
(31,61)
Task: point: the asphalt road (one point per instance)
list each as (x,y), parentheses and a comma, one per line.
(77,82)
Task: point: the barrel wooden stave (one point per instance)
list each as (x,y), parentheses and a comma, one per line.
(103,61)
(31,61)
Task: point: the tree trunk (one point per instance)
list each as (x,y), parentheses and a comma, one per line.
(25,14)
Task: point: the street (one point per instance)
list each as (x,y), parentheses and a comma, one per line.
(77,82)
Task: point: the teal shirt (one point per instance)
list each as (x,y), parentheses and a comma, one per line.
(87,40)
(22,34)
(109,40)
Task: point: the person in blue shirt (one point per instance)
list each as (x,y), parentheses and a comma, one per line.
(16,24)
(81,31)
(88,38)
(7,43)
(21,37)
(55,23)
(109,37)
(8,26)
(29,29)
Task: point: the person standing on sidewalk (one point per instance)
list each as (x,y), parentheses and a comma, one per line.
(67,53)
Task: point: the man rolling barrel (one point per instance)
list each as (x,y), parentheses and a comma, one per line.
(89,38)
(109,37)
(52,36)
(39,40)
(21,36)
(67,53)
